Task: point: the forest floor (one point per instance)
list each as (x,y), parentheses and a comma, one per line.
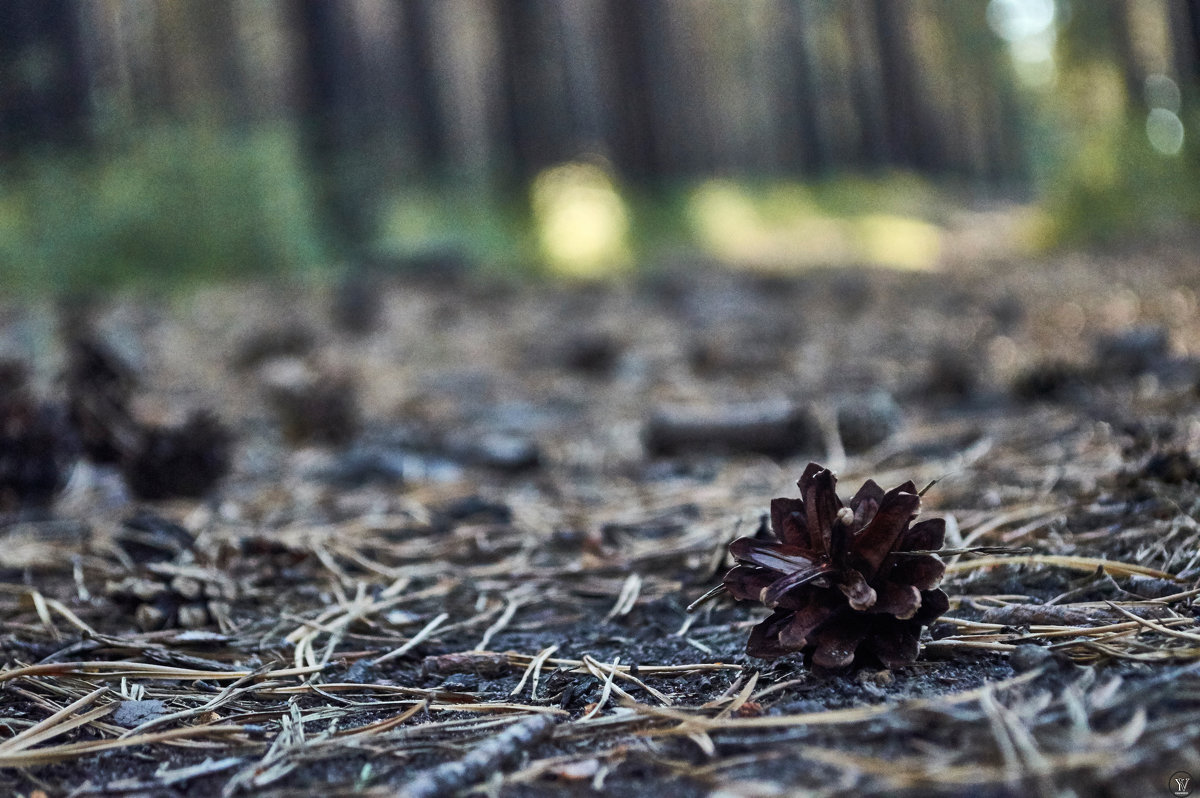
(494,571)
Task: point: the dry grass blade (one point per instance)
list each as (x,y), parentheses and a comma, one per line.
(608,686)
(66,753)
(515,600)
(145,670)
(627,598)
(414,641)
(740,699)
(1061,561)
(1158,627)
(535,669)
(380,726)
(58,723)
(690,722)
(602,671)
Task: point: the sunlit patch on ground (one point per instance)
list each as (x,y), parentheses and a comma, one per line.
(790,230)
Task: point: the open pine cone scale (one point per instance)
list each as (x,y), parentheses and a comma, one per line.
(842,578)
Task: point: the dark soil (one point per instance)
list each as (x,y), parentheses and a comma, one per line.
(489,492)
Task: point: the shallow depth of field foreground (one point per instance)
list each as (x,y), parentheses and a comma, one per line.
(455,550)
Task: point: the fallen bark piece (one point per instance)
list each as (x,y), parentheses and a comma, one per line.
(1061,615)
(483,663)
(490,755)
(777,429)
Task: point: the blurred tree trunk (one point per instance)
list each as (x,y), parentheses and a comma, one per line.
(222,81)
(1184,22)
(867,83)
(1132,74)
(632,139)
(418,90)
(585,70)
(668,89)
(909,134)
(815,133)
(676,78)
(43,85)
(948,86)
(539,119)
(325,87)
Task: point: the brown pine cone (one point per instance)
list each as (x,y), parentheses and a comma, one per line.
(188,460)
(839,579)
(100,386)
(38,445)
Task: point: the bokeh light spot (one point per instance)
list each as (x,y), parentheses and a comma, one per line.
(899,242)
(1162,92)
(581,221)
(1165,131)
(1013,20)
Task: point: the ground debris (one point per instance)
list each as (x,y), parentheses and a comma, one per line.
(496,554)
(486,757)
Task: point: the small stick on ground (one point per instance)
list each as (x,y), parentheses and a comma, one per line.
(487,757)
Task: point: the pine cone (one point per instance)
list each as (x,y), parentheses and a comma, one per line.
(313,405)
(99,385)
(838,578)
(185,461)
(38,445)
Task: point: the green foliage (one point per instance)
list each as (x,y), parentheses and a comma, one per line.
(1116,185)
(175,205)
(162,206)
(473,221)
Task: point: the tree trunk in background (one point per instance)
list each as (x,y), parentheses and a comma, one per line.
(326,75)
(467,89)
(387,91)
(1132,74)
(632,139)
(909,137)
(836,91)
(585,72)
(418,91)
(539,116)
(222,82)
(681,116)
(945,90)
(867,84)
(43,85)
(811,86)
(1184,24)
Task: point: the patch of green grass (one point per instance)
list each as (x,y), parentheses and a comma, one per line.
(175,205)
(484,226)
(1114,186)
(163,206)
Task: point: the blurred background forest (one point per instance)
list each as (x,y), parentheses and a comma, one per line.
(164,141)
